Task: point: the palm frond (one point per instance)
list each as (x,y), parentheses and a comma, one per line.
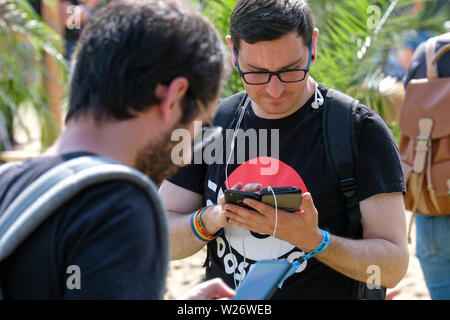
(219,12)
(25,40)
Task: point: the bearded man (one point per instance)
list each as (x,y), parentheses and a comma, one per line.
(138,75)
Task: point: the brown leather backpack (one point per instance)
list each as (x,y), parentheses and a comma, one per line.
(425,140)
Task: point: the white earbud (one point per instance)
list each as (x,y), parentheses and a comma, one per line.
(318,99)
(236,128)
(314,105)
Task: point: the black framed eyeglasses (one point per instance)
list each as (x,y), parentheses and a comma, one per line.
(261,77)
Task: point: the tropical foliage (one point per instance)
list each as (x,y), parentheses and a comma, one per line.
(219,12)
(355,39)
(24,42)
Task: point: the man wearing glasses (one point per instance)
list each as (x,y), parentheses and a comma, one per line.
(274,45)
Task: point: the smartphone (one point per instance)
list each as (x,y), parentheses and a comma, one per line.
(262,280)
(237,197)
(288,198)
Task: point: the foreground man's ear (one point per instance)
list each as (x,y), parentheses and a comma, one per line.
(171,97)
(230,44)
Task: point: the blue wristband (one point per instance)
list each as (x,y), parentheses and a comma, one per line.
(320,247)
(318,250)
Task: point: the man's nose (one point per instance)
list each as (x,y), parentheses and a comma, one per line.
(275,87)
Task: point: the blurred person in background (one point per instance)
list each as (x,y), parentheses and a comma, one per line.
(433,232)
(73,16)
(399,59)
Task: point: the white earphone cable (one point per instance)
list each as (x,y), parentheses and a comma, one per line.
(236,129)
(235,133)
(318,101)
(276,224)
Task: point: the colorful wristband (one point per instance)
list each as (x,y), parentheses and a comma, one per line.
(198,228)
(218,233)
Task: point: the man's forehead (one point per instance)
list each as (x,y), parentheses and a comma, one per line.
(273,55)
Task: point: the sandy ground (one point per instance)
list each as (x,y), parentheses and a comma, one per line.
(185,273)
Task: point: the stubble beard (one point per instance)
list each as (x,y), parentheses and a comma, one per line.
(154,160)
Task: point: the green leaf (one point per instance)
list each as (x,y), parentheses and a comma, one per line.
(25,39)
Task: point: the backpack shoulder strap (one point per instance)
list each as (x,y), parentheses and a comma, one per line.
(430,48)
(228,109)
(46,194)
(338,125)
(4,167)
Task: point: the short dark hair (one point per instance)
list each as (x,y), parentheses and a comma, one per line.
(128,47)
(267,20)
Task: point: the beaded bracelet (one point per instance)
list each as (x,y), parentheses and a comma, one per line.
(199,230)
(218,233)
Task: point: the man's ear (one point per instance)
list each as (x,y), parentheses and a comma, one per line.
(171,97)
(314,44)
(230,44)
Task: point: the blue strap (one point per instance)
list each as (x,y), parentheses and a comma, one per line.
(321,247)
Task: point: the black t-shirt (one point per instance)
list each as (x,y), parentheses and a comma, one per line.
(108,231)
(302,163)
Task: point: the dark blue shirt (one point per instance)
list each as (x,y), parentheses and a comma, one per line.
(107,230)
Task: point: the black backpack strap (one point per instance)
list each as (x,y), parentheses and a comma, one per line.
(228,109)
(338,125)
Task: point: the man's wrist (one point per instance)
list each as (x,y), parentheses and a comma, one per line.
(208,220)
(313,240)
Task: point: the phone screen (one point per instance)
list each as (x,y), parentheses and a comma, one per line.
(288,198)
(262,280)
